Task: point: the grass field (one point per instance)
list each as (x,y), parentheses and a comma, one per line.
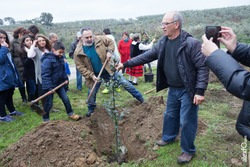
(219,145)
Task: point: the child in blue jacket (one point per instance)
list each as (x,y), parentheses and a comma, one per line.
(53,74)
(9,79)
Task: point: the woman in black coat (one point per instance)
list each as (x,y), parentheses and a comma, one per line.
(28,64)
(14,50)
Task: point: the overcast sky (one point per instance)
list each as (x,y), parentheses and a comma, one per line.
(73,10)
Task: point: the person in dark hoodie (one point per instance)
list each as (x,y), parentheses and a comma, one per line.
(180,67)
(53,74)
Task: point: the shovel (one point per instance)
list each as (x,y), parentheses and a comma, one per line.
(36,107)
(100,73)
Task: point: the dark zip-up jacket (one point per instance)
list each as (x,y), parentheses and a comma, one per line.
(53,71)
(190,62)
(234,77)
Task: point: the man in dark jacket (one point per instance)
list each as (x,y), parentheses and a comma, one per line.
(71,55)
(230,73)
(53,74)
(181,68)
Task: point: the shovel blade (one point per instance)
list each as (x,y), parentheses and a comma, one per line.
(37,108)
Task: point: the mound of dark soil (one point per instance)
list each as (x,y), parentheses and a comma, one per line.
(90,141)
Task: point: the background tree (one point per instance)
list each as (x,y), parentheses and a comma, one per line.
(10,20)
(1,22)
(46,18)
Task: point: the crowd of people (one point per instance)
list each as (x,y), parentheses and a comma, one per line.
(38,63)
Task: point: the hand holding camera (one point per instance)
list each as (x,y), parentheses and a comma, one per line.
(229,38)
(213,32)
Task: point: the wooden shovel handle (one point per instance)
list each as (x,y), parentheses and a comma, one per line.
(46,94)
(93,87)
(149,91)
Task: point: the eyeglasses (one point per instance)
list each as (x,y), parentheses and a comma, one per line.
(164,24)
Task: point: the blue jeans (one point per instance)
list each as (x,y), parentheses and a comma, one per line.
(49,102)
(32,86)
(78,80)
(180,113)
(125,83)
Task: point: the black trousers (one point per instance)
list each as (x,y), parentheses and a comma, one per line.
(6,99)
(243,121)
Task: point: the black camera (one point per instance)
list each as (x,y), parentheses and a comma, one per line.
(213,31)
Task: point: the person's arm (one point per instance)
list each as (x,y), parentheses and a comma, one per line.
(146,47)
(120,48)
(82,68)
(242,53)
(32,50)
(47,74)
(3,54)
(235,78)
(72,50)
(144,58)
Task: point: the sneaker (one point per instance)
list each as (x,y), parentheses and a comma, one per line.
(89,113)
(16,113)
(185,158)
(133,83)
(105,91)
(118,89)
(6,119)
(130,81)
(54,110)
(150,70)
(75,117)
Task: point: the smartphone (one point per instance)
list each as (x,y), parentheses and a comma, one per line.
(213,31)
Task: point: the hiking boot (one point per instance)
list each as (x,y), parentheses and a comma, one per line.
(105,91)
(6,119)
(89,113)
(75,117)
(185,158)
(16,113)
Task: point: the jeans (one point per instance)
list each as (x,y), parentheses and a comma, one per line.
(180,113)
(78,80)
(49,102)
(149,66)
(6,98)
(243,121)
(125,83)
(32,86)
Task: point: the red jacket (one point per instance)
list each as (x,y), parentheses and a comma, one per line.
(124,49)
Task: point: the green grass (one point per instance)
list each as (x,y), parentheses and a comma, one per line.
(213,146)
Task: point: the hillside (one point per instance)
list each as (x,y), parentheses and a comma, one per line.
(194,22)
